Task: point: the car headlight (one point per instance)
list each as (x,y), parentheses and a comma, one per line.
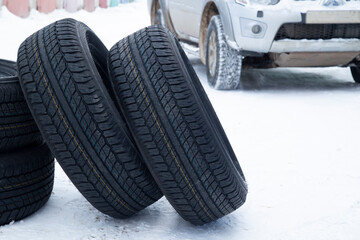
(261,2)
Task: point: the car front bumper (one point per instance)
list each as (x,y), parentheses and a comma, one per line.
(271,18)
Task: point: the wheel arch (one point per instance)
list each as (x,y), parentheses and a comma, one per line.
(153,6)
(211,8)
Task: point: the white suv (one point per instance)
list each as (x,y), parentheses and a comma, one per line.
(236,34)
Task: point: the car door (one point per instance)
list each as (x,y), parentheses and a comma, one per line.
(185,15)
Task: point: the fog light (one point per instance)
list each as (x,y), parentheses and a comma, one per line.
(252,28)
(256,29)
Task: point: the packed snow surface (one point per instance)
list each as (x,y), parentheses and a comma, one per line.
(295,131)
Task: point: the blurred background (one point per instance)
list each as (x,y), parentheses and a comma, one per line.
(22,8)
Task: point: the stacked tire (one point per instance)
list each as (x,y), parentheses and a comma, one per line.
(26,164)
(131,124)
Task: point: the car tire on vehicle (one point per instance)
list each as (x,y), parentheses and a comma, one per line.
(223,63)
(26,181)
(175,126)
(63,72)
(17,127)
(356,74)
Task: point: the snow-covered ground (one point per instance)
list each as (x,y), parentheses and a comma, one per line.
(295,131)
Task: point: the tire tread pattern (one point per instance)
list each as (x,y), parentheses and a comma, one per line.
(17,127)
(26,182)
(157,98)
(77,121)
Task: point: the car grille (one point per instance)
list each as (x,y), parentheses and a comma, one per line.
(318,31)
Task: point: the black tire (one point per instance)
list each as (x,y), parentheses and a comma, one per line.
(355,71)
(17,127)
(78,119)
(175,126)
(7,68)
(26,182)
(223,63)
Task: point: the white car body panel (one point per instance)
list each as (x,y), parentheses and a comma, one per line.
(186,17)
(333,45)
(275,16)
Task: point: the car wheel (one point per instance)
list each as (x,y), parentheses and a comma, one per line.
(223,63)
(356,74)
(159,18)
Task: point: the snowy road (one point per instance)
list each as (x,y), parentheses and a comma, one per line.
(295,131)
